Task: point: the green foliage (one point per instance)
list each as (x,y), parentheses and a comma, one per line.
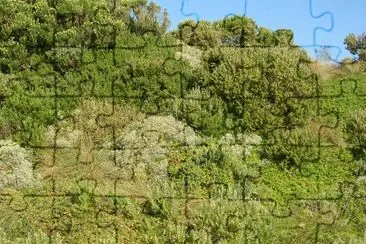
(235,31)
(255,85)
(238,31)
(65,63)
(356,129)
(201,34)
(284,38)
(292,148)
(202,112)
(356,44)
(265,37)
(250,155)
(148,18)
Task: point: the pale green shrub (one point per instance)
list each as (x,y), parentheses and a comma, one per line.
(192,54)
(144,145)
(15,166)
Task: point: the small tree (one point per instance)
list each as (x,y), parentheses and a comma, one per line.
(201,34)
(148,18)
(238,31)
(284,37)
(265,37)
(356,44)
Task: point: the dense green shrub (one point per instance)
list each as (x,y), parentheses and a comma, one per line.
(201,34)
(261,89)
(234,31)
(356,129)
(53,59)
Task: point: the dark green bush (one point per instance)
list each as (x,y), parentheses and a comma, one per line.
(356,129)
(260,89)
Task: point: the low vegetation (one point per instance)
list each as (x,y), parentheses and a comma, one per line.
(113,129)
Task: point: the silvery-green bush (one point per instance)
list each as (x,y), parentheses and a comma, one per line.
(16,169)
(144,145)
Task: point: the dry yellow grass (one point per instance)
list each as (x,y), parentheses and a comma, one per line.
(324,71)
(327,71)
(83,137)
(327,135)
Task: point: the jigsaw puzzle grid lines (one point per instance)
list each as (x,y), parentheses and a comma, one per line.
(113,208)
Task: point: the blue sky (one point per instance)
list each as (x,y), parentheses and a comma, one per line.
(314,22)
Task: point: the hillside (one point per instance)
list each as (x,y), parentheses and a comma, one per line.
(114,130)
